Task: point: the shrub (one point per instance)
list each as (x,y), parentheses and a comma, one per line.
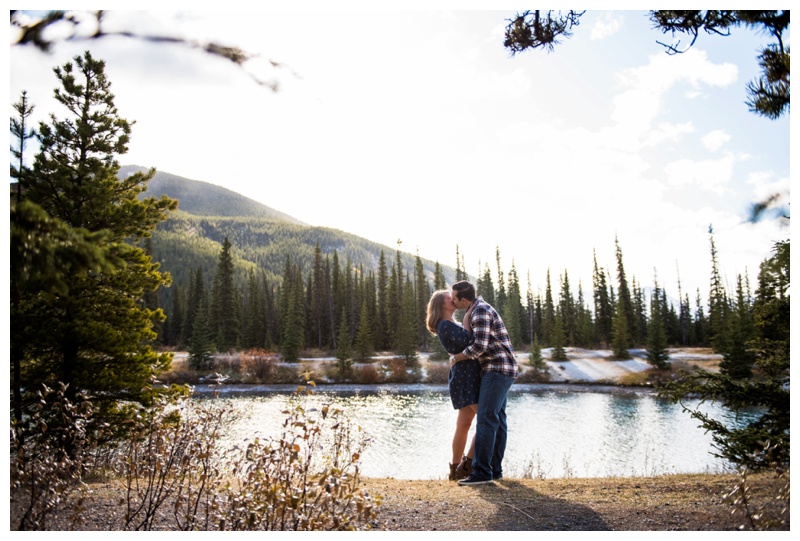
(289,484)
(305,479)
(772,515)
(48,455)
(365,374)
(532,375)
(438,373)
(258,365)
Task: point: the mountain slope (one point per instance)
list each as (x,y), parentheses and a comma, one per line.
(261,237)
(205,199)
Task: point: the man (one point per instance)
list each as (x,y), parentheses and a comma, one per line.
(499,369)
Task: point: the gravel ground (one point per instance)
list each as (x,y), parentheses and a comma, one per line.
(665,503)
(674,502)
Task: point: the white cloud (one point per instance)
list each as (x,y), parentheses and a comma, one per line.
(765,185)
(707,175)
(664,71)
(607,25)
(715,140)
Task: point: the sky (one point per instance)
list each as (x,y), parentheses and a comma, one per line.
(417,125)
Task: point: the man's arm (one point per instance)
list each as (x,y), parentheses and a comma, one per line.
(481,321)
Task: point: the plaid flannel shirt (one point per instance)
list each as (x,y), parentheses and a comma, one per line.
(492,347)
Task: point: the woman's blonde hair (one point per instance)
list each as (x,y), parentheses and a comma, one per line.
(435,310)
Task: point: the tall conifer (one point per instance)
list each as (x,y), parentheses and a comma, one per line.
(624,302)
(657,353)
(224,311)
(99,333)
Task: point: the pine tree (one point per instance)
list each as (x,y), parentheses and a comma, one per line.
(344,363)
(639,311)
(293,332)
(514,316)
(195,292)
(584,332)
(200,348)
(383,338)
(620,337)
(224,311)
(685,334)
(701,331)
(255,323)
(603,311)
(533,320)
(98,331)
(549,314)
(624,303)
(271,332)
(422,292)
(559,353)
(536,360)
(175,318)
(364,342)
(500,297)
(407,336)
(461,274)
(485,286)
(717,302)
(439,282)
(21,133)
(764,441)
(738,359)
(657,353)
(320,305)
(566,307)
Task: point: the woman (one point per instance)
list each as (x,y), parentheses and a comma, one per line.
(465,377)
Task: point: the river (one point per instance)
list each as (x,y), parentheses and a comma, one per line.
(554,430)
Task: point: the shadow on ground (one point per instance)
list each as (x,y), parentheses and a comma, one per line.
(519,507)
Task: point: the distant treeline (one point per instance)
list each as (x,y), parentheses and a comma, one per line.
(321,301)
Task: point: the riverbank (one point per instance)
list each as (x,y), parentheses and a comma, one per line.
(664,503)
(582,367)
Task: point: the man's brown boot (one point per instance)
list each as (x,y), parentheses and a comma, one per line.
(453,472)
(464,468)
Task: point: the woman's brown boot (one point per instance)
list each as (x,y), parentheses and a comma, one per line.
(464,468)
(453,472)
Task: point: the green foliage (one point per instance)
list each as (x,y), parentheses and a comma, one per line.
(344,362)
(558,341)
(82,273)
(657,353)
(224,309)
(21,132)
(364,342)
(620,335)
(200,346)
(536,361)
(763,443)
(768,95)
(738,357)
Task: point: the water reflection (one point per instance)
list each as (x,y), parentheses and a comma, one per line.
(552,432)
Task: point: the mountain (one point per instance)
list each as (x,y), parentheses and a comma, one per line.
(205,199)
(261,237)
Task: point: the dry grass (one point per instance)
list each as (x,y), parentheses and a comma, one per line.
(673,502)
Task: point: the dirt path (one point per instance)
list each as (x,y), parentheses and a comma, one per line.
(674,502)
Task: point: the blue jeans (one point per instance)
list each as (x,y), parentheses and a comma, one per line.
(491,431)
